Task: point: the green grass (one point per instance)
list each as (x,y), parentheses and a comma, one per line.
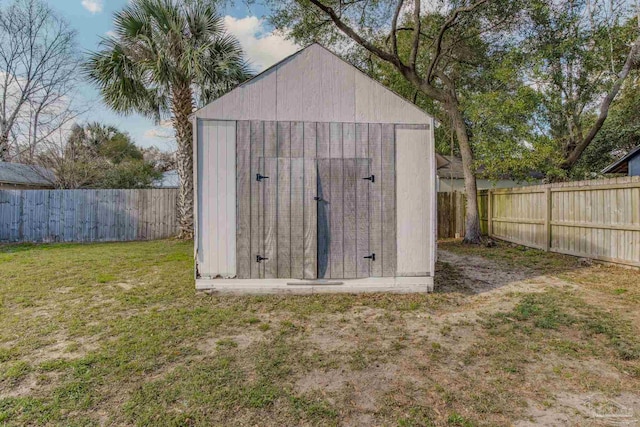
(114,333)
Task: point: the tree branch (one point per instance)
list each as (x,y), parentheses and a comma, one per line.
(415,44)
(448,24)
(632,61)
(382,54)
(394,25)
(409,73)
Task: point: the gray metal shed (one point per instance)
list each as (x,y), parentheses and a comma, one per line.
(312,177)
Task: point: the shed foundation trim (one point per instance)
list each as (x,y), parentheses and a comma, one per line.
(418,284)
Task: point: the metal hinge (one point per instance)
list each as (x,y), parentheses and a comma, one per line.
(371,178)
(260,258)
(259,177)
(372,257)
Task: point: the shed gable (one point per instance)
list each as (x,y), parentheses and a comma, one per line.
(313,85)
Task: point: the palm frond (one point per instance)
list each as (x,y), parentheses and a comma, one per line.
(162,44)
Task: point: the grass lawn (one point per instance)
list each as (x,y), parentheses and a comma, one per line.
(114,334)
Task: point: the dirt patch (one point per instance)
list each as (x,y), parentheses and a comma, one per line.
(363,388)
(331,340)
(124,285)
(24,387)
(585,410)
(31,384)
(483,275)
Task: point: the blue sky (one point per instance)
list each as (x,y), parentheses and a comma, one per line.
(92,19)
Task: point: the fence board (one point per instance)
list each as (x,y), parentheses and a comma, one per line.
(596,219)
(87,215)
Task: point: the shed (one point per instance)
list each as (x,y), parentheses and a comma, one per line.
(627,165)
(18,176)
(313,177)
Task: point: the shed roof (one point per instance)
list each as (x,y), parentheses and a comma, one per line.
(622,165)
(314,84)
(21,174)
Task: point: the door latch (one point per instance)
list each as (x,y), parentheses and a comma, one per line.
(259,177)
(371,178)
(260,258)
(372,257)
(317,199)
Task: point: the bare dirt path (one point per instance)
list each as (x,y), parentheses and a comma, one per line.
(491,286)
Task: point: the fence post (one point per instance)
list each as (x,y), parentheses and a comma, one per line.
(489,213)
(547,219)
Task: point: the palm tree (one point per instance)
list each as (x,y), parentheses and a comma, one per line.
(165,58)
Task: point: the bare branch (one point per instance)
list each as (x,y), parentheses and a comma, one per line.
(409,73)
(382,54)
(394,25)
(415,44)
(632,61)
(39,62)
(450,22)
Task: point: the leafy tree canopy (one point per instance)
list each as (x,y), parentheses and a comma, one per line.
(529,75)
(100,156)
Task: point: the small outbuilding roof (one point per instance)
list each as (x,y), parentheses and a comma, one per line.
(314,85)
(449,167)
(21,174)
(622,165)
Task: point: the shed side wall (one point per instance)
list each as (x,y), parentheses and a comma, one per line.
(216,207)
(415,182)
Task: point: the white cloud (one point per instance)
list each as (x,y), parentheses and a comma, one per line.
(263,48)
(163,131)
(110,33)
(93,6)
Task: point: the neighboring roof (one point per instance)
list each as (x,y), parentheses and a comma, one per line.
(170,179)
(314,85)
(20,174)
(453,169)
(622,165)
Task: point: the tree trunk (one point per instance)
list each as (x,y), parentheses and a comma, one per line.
(182,107)
(4,148)
(472,232)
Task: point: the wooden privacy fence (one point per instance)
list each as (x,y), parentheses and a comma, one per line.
(87,215)
(452,211)
(597,219)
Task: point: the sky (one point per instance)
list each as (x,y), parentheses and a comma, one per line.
(92,19)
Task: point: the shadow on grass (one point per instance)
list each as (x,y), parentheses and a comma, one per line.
(473,269)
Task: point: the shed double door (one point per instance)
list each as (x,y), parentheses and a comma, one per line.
(312,218)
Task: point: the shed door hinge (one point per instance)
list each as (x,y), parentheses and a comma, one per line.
(372,257)
(371,178)
(260,258)
(260,177)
